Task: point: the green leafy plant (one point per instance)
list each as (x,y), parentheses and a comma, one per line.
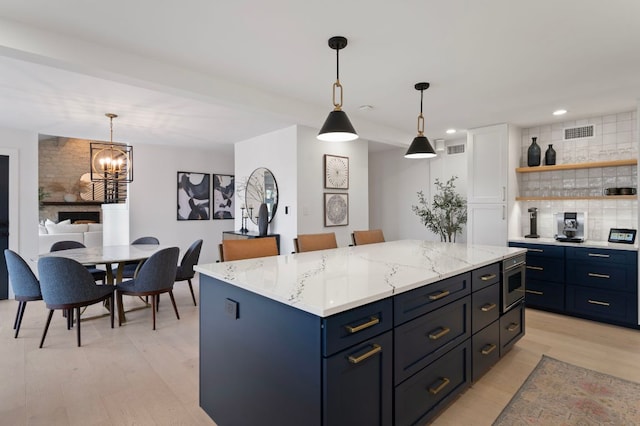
(448,212)
(42,194)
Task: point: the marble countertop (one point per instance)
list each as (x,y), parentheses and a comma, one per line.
(327,282)
(586,243)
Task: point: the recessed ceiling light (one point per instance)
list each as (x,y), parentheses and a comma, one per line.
(560,112)
(451,131)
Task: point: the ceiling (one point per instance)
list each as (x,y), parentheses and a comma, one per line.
(205,74)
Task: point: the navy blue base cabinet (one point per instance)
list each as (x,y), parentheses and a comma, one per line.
(599,284)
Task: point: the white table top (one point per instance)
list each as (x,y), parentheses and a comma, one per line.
(327,282)
(108,254)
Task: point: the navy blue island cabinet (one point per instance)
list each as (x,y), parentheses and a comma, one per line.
(265,363)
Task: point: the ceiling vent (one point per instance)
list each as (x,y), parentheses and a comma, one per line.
(455,149)
(572,133)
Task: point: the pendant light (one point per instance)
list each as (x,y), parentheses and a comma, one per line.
(420,147)
(337,127)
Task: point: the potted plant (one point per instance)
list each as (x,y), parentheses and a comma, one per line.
(448,212)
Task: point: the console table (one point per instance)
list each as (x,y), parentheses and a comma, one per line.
(237,235)
(376,334)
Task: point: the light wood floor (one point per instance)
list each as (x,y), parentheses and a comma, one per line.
(133,375)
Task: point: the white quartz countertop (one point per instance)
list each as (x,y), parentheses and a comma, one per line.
(586,243)
(327,282)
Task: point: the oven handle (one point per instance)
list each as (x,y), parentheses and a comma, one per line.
(516,266)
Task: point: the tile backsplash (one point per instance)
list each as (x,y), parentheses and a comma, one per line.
(615,138)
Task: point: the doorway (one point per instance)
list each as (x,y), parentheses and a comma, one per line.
(4,224)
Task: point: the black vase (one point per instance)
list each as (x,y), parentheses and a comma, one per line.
(533,154)
(550,156)
(263,220)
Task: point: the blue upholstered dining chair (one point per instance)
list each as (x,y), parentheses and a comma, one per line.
(98,274)
(185,270)
(24,283)
(156,276)
(67,285)
(129,270)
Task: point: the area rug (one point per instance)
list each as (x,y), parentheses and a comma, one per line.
(557,393)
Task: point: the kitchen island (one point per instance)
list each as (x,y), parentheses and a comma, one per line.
(373,334)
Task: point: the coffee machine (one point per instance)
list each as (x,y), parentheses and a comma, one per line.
(571,227)
(533,223)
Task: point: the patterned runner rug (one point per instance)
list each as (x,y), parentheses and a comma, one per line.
(557,393)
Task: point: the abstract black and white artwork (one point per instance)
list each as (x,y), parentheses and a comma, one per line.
(194,196)
(223,192)
(336,209)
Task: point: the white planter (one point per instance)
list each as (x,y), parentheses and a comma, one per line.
(70,198)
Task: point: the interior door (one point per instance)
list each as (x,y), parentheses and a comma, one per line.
(4,224)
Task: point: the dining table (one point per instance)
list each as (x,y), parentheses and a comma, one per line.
(110,256)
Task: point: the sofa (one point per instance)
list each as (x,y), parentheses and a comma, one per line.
(49,232)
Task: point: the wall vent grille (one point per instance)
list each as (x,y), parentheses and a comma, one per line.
(455,149)
(571,133)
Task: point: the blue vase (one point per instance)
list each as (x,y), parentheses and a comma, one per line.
(263,220)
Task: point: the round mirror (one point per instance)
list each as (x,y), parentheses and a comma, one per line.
(261,188)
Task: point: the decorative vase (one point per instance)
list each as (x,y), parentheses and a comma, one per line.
(533,153)
(70,198)
(550,156)
(263,220)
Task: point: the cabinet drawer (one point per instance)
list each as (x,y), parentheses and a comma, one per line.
(543,250)
(511,328)
(422,396)
(425,299)
(348,328)
(485,276)
(358,388)
(485,347)
(602,275)
(485,307)
(419,342)
(544,294)
(607,305)
(625,257)
(544,268)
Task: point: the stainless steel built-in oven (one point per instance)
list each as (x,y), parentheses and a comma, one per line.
(513,270)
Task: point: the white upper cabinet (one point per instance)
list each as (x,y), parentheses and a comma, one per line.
(487,162)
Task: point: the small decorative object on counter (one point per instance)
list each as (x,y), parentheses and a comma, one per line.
(533,153)
(263,220)
(550,156)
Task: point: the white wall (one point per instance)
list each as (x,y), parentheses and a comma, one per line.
(153,199)
(22,149)
(277,151)
(393,185)
(311,189)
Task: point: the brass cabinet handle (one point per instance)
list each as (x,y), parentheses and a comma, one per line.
(535,268)
(440,295)
(513,326)
(488,348)
(373,321)
(488,307)
(597,302)
(488,277)
(598,255)
(356,359)
(441,332)
(534,292)
(536,250)
(443,383)
(593,274)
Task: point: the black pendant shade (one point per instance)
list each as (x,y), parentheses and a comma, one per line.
(420,147)
(337,126)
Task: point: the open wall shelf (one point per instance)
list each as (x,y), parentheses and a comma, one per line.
(614,163)
(599,197)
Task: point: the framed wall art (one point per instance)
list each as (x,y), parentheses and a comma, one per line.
(336,172)
(336,209)
(223,193)
(194,196)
